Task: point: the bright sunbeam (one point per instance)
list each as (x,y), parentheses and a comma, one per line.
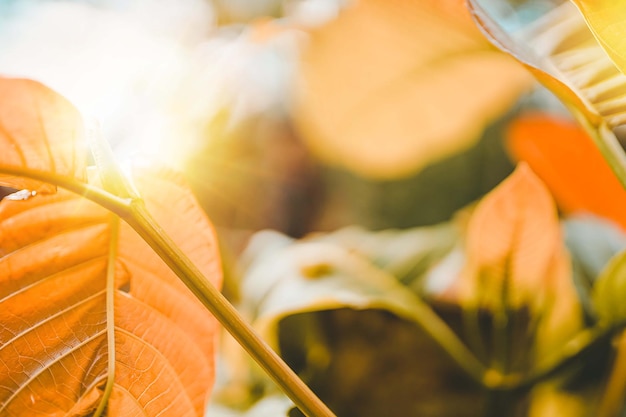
(122,65)
(166,84)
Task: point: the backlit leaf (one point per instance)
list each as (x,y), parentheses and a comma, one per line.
(516,258)
(53,279)
(41,131)
(512,238)
(606,20)
(566,159)
(353,329)
(390,86)
(78,286)
(561,52)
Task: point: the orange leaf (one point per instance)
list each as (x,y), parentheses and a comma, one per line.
(390,86)
(570,164)
(40,132)
(512,239)
(516,258)
(56,251)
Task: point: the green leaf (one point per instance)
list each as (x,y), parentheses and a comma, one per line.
(592,242)
(283,279)
(610,290)
(409,255)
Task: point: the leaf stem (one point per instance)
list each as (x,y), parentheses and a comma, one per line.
(143,223)
(423,314)
(97,195)
(133,211)
(110,312)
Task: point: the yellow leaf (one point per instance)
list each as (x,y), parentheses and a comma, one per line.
(390,86)
(606,20)
(562,53)
(548,399)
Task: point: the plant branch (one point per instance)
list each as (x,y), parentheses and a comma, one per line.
(440,332)
(97,195)
(143,223)
(133,211)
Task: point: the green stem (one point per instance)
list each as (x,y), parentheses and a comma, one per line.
(441,333)
(107,200)
(133,211)
(143,223)
(607,143)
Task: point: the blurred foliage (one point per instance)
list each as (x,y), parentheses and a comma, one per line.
(381,365)
(418,199)
(369,361)
(389,86)
(323,295)
(312,117)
